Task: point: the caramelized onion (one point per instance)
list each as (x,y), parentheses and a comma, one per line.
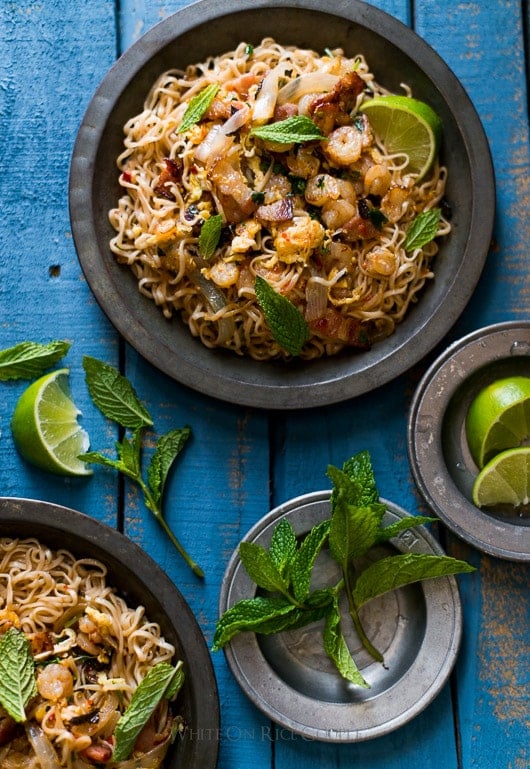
(313,82)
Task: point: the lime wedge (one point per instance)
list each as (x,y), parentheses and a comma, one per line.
(498,418)
(504,480)
(45,427)
(406,125)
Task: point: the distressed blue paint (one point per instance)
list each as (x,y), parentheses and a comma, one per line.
(240,461)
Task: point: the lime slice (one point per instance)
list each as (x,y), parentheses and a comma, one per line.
(45,428)
(498,418)
(504,480)
(406,125)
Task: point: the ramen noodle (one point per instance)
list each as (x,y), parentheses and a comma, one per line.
(322,221)
(90,652)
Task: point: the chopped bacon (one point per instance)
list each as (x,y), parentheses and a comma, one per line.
(280,211)
(171,173)
(333,108)
(221,110)
(232,189)
(284,111)
(242,84)
(338,328)
(8,729)
(98,753)
(359,228)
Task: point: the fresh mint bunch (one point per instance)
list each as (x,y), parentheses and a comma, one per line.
(115,397)
(283,571)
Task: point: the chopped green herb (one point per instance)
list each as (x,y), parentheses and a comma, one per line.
(287,324)
(377,217)
(296,129)
(298,184)
(249,49)
(422,230)
(258,197)
(210,235)
(197,107)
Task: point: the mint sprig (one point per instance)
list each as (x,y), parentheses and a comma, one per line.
(163,681)
(28,360)
(286,323)
(210,235)
(296,129)
(283,571)
(17,674)
(116,398)
(422,230)
(197,107)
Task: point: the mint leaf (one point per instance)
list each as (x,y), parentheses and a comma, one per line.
(250,614)
(197,107)
(287,324)
(163,681)
(422,230)
(337,650)
(28,360)
(298,128)
(399,570)
(167,449)
(283,545)
(304,559)
(17,674)
(353,532)
(391,531)
(209,236)
(261,568)
(114,396)
(359,469)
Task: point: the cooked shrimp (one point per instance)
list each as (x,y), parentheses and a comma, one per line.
(54,682)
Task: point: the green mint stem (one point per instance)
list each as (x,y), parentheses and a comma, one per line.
(354,614)
(153,507)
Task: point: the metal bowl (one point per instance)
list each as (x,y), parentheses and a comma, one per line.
(396,55)
(141,582)
(441,463)
(288,676)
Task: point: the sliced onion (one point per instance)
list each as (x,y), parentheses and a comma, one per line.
(214,145)
(42,746)
(316,298)
(237,120)
(268,95)
(150,760)
(217,301)
(313,82)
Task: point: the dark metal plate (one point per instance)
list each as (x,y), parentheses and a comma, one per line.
(396,54)
(141,582)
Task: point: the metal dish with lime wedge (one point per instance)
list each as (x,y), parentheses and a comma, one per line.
(439,455)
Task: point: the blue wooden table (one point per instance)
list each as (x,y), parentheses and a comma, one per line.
(241,461)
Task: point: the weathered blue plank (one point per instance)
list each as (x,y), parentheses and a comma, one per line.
(49,67)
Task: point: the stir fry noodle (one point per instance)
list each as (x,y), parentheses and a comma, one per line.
(322,218)
(89,652)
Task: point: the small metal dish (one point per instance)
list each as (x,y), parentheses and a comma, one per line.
(288,675)
(141,582)
(442,466)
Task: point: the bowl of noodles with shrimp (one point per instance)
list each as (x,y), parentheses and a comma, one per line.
(246,224)
(102,660)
